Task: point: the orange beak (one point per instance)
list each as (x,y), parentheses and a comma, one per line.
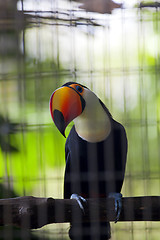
(65,105)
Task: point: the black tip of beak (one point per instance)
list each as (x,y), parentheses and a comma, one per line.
(59,121)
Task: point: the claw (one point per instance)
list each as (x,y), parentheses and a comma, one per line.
(118,203)
(80,200)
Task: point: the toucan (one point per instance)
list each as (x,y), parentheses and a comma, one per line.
(95,153)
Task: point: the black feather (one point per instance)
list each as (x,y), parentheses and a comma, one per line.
(70,83)
(95,170)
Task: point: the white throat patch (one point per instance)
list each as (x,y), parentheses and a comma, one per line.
(93,125)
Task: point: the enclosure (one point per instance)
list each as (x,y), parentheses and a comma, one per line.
(116,53)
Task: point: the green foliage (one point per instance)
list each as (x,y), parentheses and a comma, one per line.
(37,151)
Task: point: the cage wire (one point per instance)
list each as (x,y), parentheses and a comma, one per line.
(44,44)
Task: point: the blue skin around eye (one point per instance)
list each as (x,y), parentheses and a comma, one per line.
(79,89)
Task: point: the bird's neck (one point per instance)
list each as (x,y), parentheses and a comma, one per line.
(93,125)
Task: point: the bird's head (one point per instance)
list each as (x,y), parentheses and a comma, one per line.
(67,103)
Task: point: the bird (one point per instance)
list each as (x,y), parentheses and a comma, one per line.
(95,153)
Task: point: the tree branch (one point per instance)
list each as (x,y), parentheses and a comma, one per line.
(31,212)
(149,4)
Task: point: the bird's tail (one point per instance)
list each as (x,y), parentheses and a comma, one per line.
(90,231)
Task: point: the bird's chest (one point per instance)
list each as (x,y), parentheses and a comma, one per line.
(93,158)
(89,168)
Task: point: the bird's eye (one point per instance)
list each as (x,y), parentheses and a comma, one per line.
(79,89)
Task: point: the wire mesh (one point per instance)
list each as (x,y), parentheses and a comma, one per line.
(44,44)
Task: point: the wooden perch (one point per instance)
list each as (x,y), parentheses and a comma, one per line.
(32,212)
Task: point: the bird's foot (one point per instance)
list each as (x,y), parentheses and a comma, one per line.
(118,203)
(80,200)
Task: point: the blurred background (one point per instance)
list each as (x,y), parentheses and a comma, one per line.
(114,49)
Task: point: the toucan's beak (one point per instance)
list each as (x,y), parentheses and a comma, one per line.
(65,105)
